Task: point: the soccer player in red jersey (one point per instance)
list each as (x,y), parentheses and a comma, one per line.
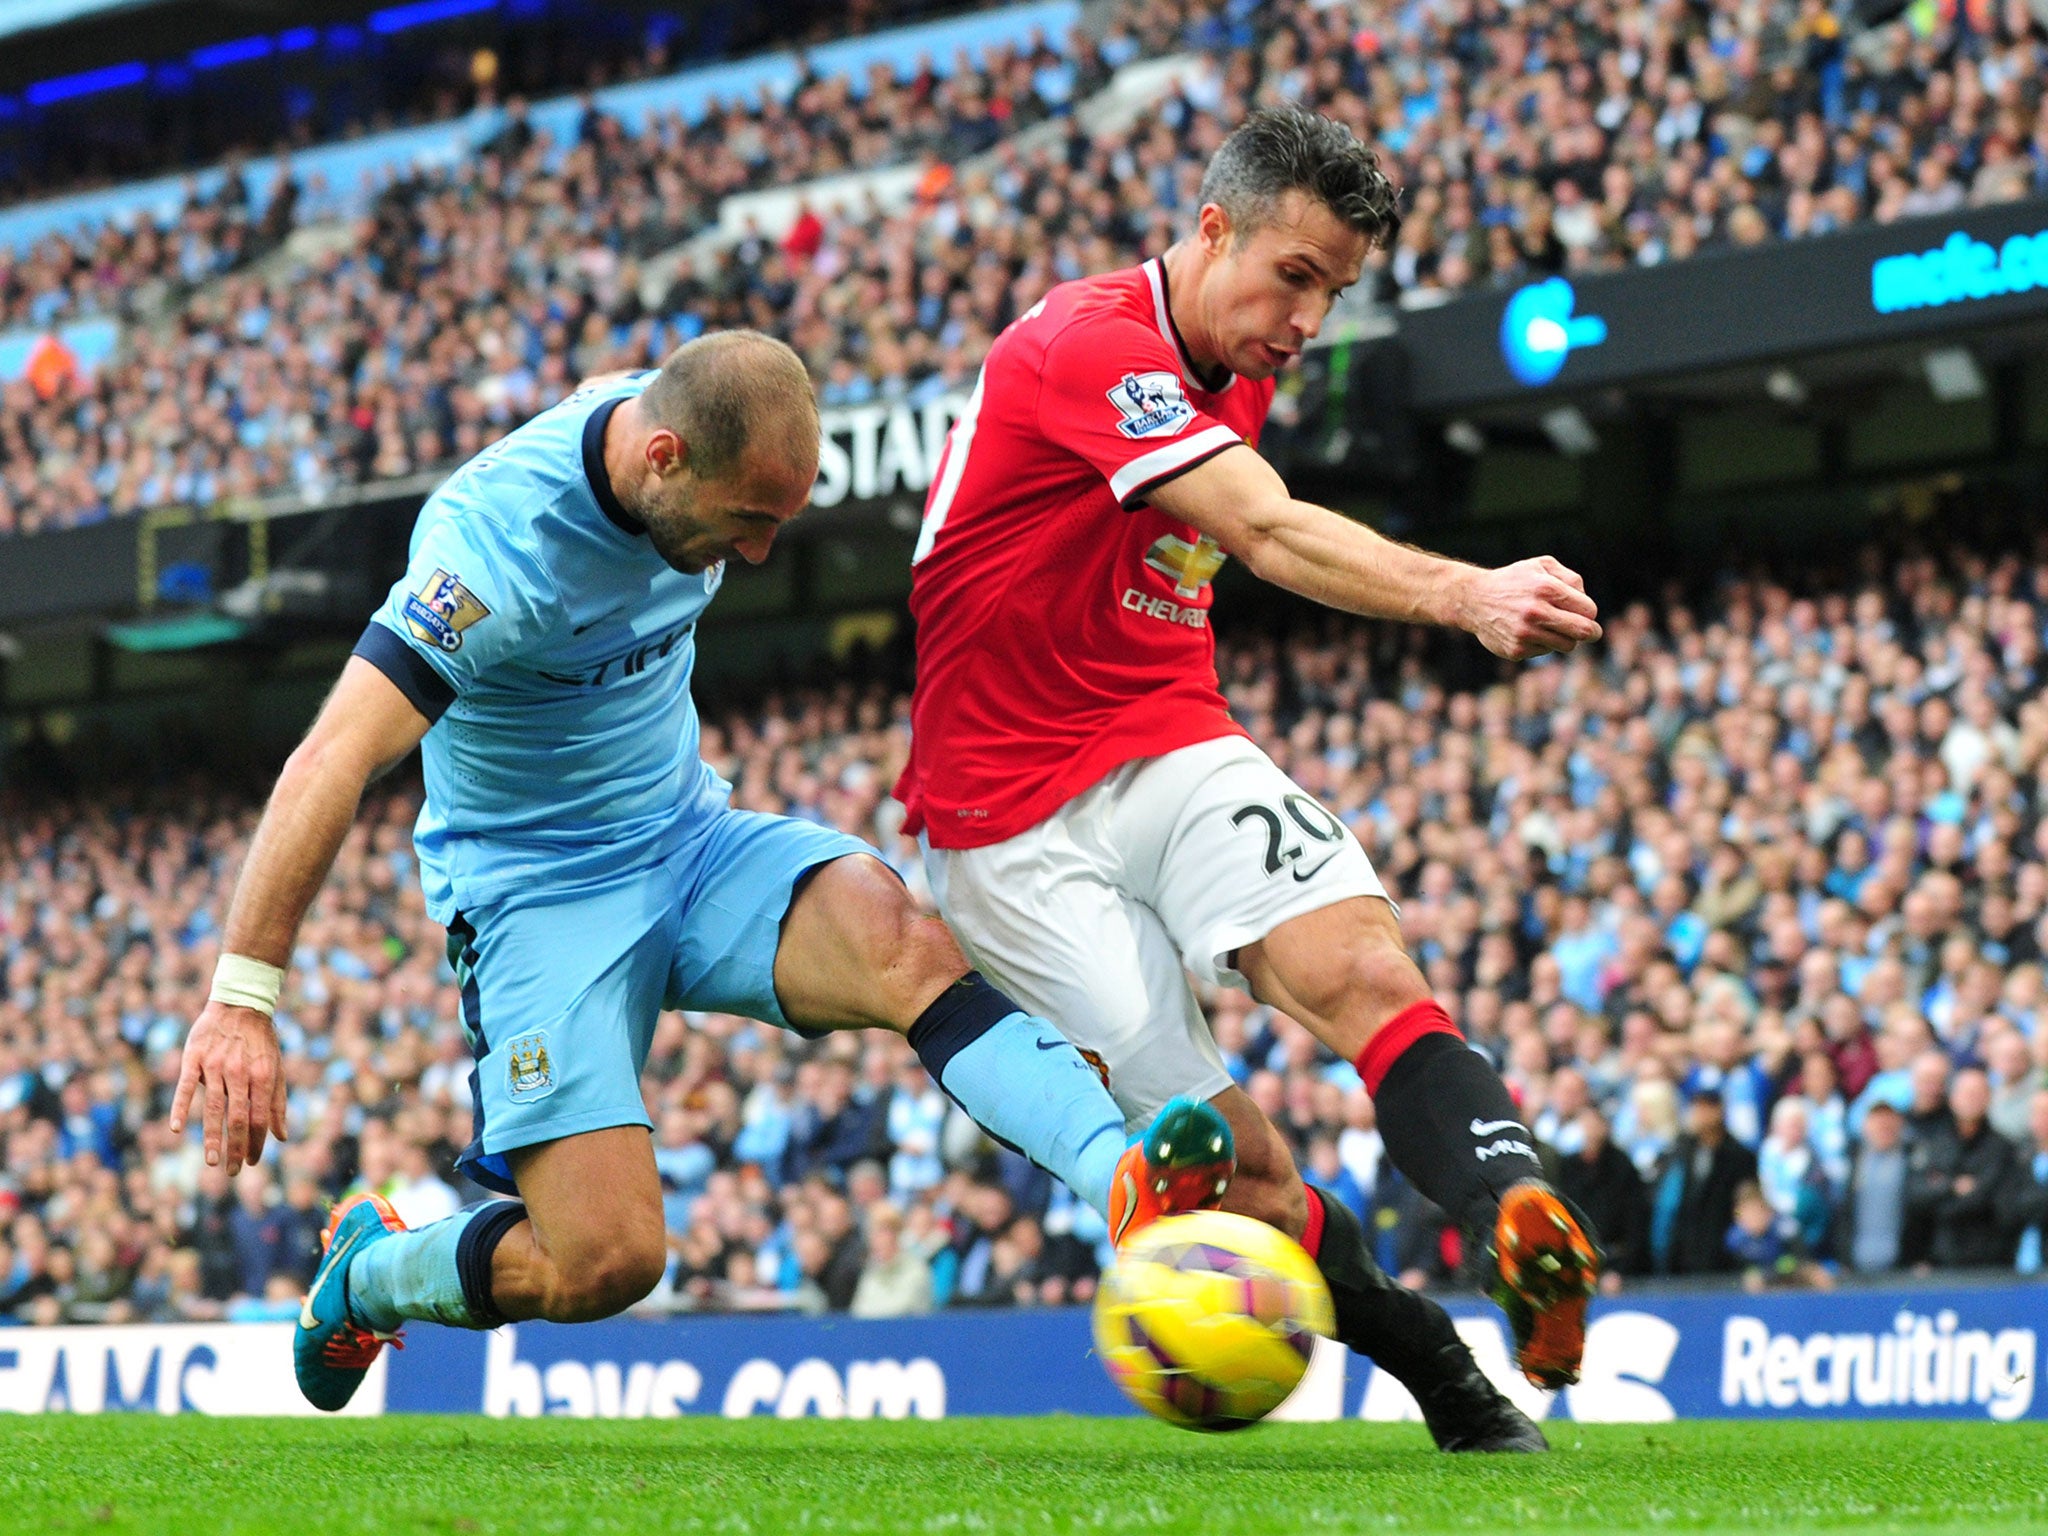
(1094,819)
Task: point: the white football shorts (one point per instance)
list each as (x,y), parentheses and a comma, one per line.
(1093,918)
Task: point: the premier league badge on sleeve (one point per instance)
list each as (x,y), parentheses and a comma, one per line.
(442,609)
(1153,404)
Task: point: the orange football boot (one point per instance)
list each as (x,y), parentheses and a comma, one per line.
(1183,1162)
(1548,1271)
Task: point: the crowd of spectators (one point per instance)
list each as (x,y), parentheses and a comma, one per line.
(1748,904)
(1530,139)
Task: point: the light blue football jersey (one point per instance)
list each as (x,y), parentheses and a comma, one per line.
(552,648)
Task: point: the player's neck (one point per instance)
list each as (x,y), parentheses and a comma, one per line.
(1182,265)
(624,450)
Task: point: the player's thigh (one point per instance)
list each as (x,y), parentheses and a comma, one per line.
(1050,929)
(793,924)
(559,1000)
(1227,848)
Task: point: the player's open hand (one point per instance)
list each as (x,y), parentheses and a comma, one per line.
(1531,608)
(233,1056)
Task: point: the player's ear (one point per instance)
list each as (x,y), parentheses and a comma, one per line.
(667,453)
(1212,226)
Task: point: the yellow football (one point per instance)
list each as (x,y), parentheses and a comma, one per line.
(1208,1320)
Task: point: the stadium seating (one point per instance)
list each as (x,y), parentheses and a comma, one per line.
(1781,852)
(1531,141)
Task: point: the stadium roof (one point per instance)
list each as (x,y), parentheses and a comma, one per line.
(30,15)
(53,41)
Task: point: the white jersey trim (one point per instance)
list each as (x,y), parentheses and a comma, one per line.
(1162,462)
(961,440)
(1155,274)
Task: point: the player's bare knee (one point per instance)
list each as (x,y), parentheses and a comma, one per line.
(921,959)
(607,1281)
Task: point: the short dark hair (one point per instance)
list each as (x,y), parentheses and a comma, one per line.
(1286,149)
(713,392)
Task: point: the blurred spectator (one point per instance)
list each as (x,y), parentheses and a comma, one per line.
(896,1281)
(982,1215)
(1818,1094)
(259,1232)
(305,1219)
(1604,1182)
(830,1129)
(1872,1220)
(1326,1171)
(845,1253)
(2015,1081)
(1695,1203)
(417,1193)
(1959,1168)
(1791,1178)
(2023,1201)
(1767,1247)
(914,1120)
(212,1235)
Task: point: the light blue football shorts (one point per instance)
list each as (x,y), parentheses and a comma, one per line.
(560,994)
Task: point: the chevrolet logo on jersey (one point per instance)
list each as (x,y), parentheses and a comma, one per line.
(1191,566)
(442,609)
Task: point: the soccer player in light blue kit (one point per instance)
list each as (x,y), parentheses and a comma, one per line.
(590,872)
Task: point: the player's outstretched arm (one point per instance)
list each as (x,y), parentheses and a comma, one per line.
(1521,610)
(232,1054)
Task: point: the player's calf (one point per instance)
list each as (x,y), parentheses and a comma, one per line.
(1444,1113)
(1407,1335)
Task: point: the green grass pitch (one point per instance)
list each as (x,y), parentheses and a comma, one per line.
(282,1477)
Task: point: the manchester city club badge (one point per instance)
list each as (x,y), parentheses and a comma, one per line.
(530,1072)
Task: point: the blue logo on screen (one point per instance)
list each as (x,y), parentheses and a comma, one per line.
(1539,329)
(1957,270)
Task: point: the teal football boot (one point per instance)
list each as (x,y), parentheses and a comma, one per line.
(331,1352)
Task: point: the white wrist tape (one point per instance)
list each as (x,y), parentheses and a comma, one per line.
(245,983)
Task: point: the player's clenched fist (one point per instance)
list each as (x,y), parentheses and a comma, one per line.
(233,1055)
(1531,608)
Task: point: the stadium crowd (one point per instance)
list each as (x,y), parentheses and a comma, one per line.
(1530,139)
(1748,904)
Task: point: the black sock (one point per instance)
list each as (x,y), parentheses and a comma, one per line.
(1450,1126)
(473,1250)
(954,1020)
(1398,1330)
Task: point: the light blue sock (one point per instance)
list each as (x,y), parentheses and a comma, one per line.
(421,1274)
(1024,1084)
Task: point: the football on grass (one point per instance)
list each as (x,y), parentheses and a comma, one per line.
(1208,1320)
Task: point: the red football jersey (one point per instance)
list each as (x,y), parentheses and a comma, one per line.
(1063,623)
